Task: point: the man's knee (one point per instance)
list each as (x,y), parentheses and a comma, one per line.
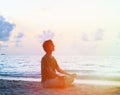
(52,83)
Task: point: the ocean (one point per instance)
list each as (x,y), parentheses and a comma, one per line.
(86,67)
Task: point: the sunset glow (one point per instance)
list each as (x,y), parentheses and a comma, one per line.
(87,27)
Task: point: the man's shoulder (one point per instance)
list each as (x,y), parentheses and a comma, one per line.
(45,57)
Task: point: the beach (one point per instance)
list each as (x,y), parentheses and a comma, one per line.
(20,75)
(18,87)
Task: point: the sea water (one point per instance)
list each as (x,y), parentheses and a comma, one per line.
(29,66)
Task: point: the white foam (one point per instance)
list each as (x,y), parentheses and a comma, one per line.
(21,79)
(98,82)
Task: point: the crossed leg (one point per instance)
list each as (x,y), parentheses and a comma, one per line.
(62,81)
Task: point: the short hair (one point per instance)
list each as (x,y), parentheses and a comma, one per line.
(46,44)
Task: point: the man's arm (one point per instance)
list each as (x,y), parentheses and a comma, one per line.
(47,68)
(61,71)
(50,71)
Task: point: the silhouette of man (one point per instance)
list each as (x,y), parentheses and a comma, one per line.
(52,74)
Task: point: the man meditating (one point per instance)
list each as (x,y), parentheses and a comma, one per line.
(52,74)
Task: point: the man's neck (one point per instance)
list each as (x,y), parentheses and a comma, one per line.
(49,53)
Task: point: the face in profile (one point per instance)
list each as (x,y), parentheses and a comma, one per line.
(48,46)
(51,47)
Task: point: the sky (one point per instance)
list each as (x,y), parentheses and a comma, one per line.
(77,27)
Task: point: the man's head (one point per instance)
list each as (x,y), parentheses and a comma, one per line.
(48,46)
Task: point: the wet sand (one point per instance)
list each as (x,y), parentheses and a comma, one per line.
(18,87)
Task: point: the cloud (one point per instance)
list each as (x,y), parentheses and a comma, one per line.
(18,38)
(84,37)
(46,36)
(5,29)
(99,35)
(19,35)
(118,35)
(3,45)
